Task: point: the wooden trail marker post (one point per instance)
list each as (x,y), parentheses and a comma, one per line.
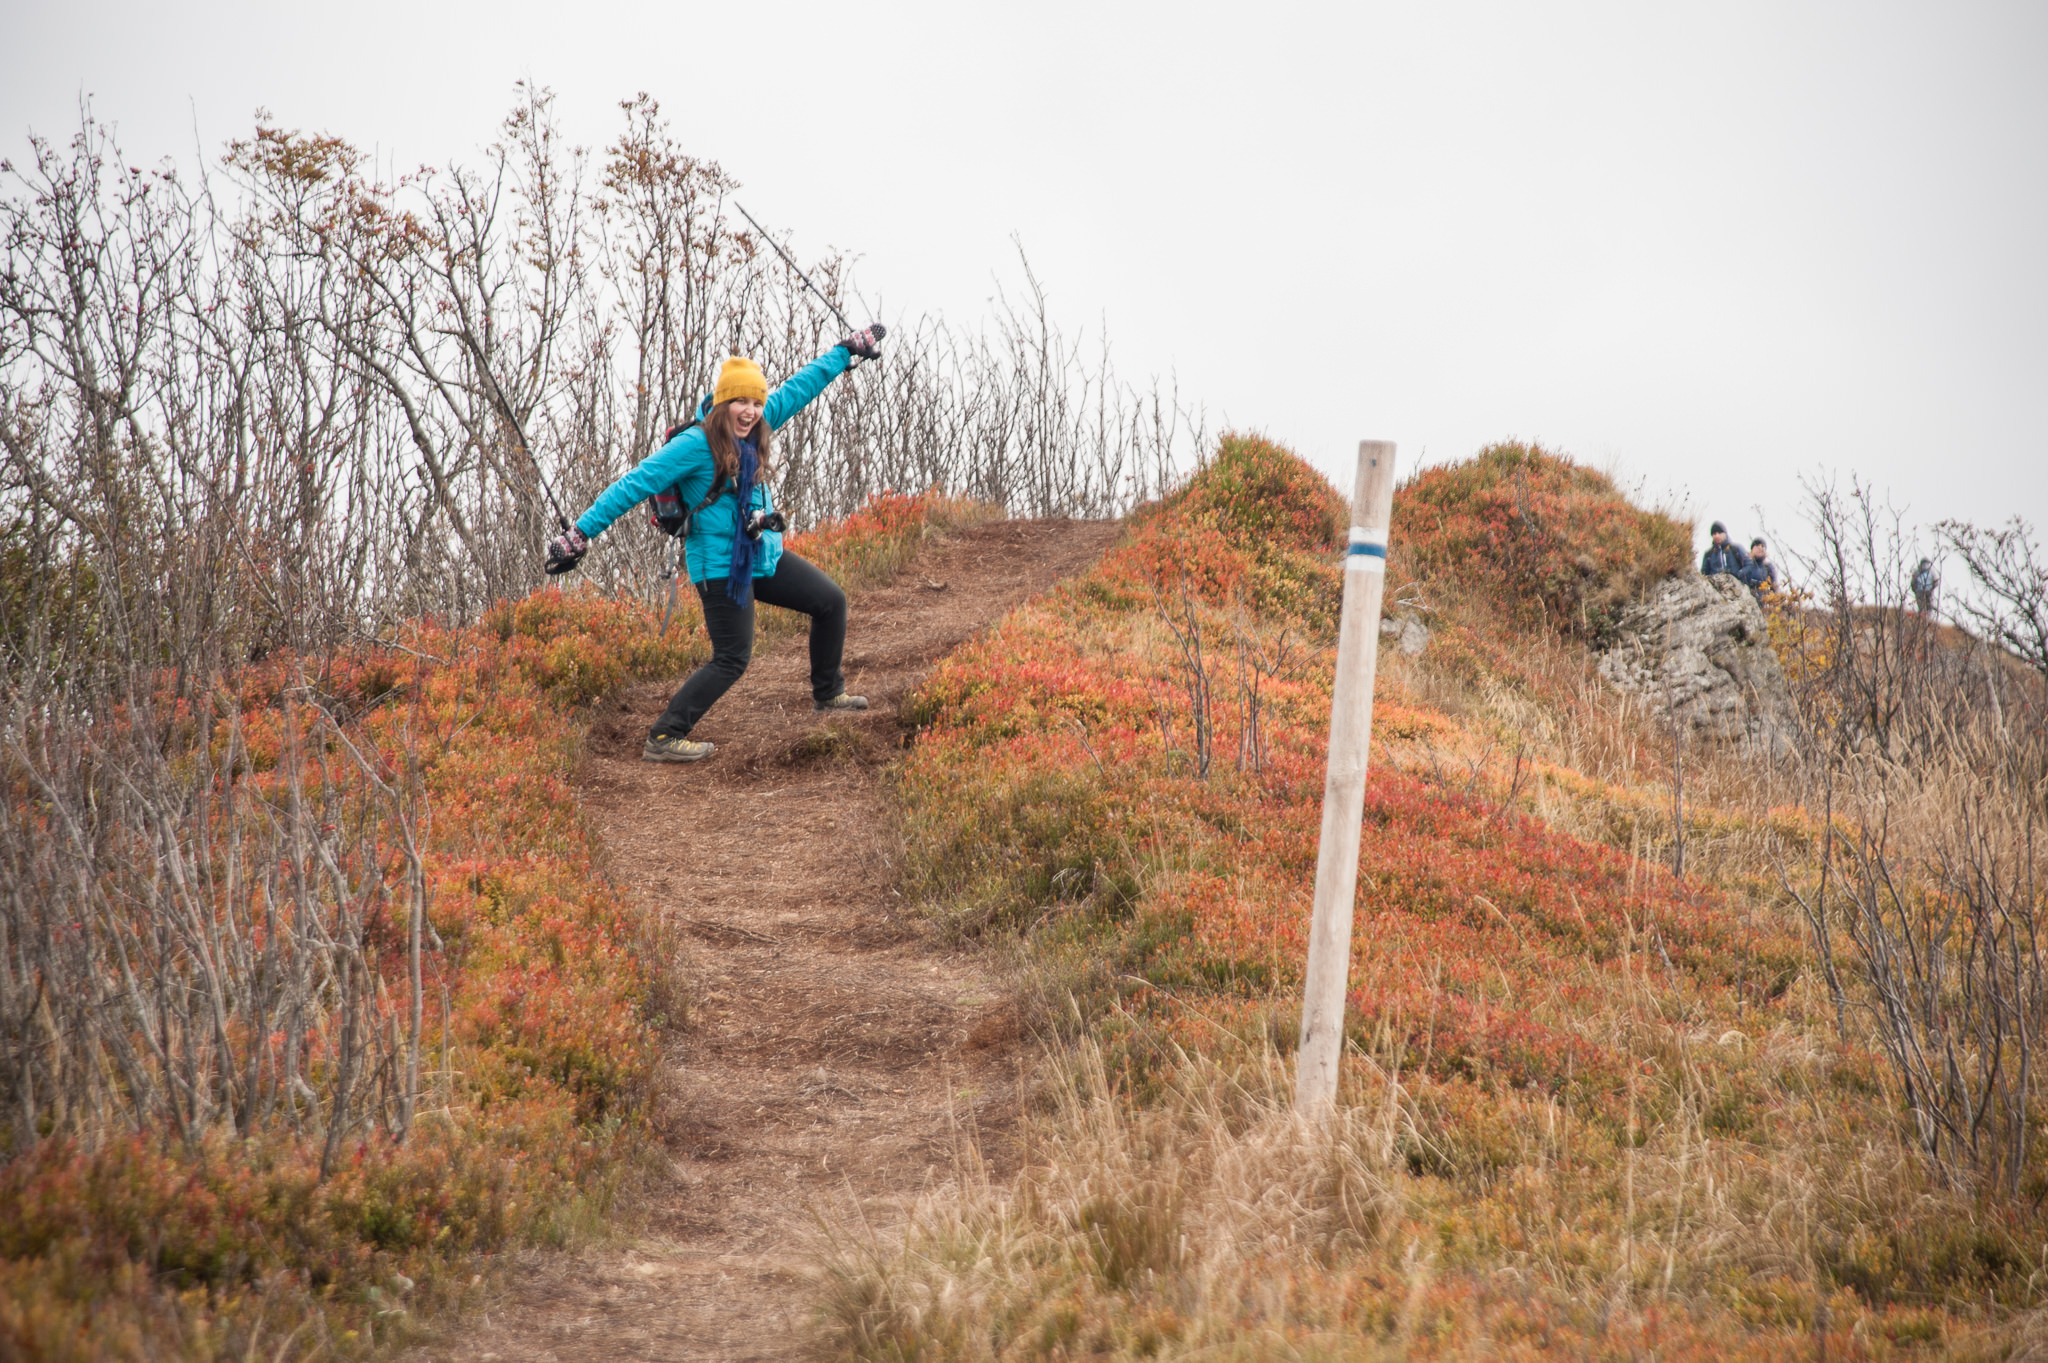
(1358,646)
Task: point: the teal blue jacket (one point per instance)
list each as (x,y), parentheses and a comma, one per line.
(685,462)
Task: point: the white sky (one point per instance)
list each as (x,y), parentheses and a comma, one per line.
(1710,246)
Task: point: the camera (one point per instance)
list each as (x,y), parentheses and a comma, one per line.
(761,522)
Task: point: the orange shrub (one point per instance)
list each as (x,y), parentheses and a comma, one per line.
(1570,1055)
(1054,765)
(539,1033)
(1536,534)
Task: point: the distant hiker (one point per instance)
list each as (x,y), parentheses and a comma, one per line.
(733,547)
(1760,573)
(1721,556)
(1925,580)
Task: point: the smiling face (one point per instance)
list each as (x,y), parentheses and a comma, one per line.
(744,412)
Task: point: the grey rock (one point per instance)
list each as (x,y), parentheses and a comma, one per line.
(1408,634)
(1700,646)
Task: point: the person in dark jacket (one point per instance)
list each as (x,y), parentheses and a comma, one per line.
(733,549)
(1925,581)
(1721,556)
(1760,573)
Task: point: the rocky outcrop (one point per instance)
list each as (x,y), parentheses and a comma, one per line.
(1699,645)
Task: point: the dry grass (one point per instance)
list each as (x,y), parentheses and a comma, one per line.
(1130,1224)
(1596,763)
(1753,1182)
(1212,1221)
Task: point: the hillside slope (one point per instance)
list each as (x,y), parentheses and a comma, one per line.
(329,997)
(1593,1109)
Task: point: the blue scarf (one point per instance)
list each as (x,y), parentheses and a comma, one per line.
(746,553)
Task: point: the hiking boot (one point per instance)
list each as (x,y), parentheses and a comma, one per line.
(842,701)
(662,748)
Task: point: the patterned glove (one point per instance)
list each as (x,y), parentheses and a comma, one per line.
(867,344)
(565,551)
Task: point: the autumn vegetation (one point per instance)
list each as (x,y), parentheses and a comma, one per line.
(317,995)
(1591,1108)
(280,1094)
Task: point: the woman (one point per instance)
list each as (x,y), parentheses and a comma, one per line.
(733,550)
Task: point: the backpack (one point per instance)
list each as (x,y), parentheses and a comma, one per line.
(665,510)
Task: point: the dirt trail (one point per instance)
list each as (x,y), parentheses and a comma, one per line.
(832,1052)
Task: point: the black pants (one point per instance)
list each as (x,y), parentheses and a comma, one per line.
(795,585)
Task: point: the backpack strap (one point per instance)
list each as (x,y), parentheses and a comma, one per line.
(718,486)
(668,513)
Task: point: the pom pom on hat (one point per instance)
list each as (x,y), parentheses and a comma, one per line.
(740,378)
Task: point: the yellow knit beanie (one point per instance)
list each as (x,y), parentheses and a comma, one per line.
(740,378)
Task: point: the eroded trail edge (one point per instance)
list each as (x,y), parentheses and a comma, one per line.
(833,1054)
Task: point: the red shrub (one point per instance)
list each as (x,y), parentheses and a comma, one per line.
(536,996)
(1056,761)
(1534,534)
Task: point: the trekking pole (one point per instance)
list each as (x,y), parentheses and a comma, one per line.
(561,519)
(504,406)
(850,327)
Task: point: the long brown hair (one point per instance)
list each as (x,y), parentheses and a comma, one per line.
(725,450)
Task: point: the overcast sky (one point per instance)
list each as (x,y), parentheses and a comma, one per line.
(1713,247)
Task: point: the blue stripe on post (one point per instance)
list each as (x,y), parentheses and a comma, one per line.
(1376,550)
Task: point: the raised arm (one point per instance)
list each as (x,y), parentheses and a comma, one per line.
(797,391)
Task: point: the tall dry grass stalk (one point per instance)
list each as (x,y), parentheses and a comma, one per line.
(1190,1202)
(1208,1219)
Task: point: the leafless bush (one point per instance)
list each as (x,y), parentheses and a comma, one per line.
(178,952)
(2010,604)
(1931,801)
(421,357)
(267,412)
(1260,660)
(1192,667)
